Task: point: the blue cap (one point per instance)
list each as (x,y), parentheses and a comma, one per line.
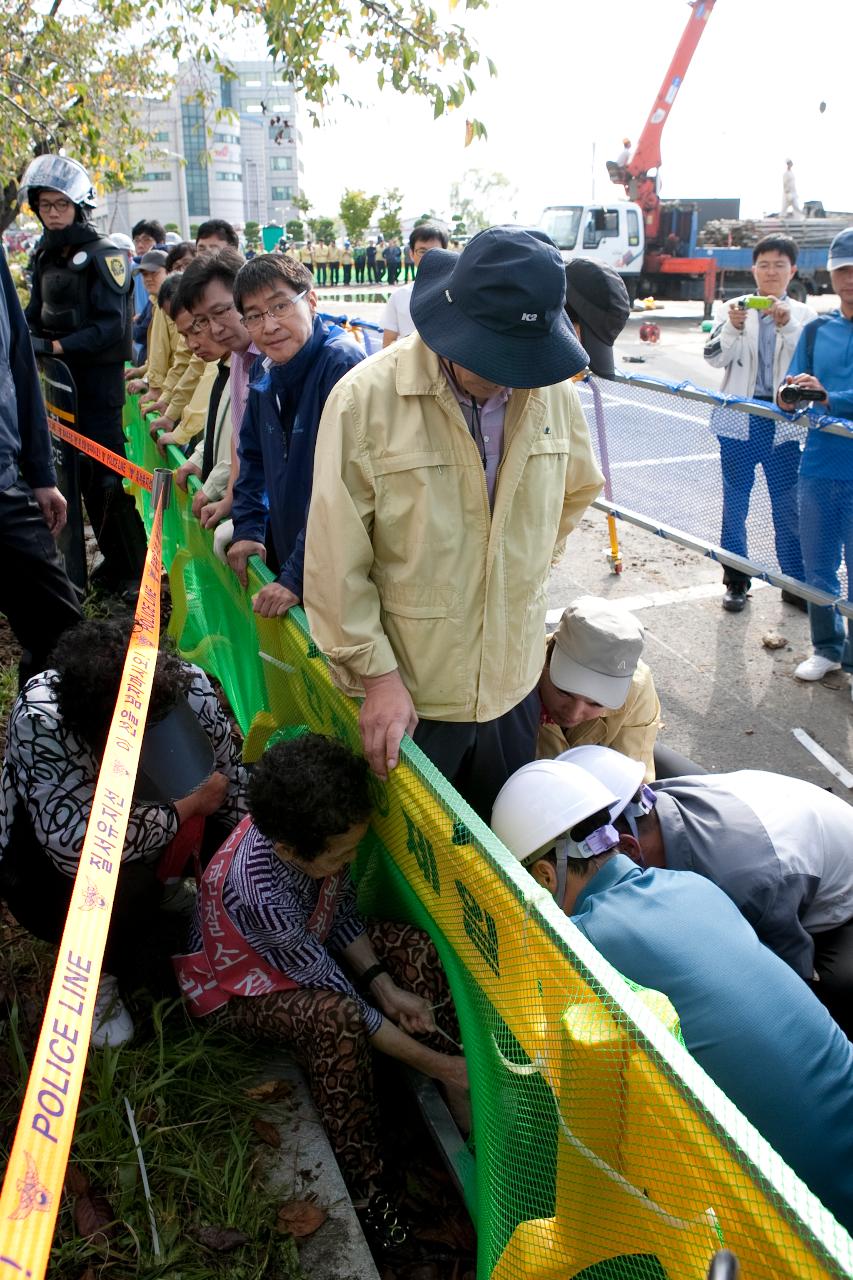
(841,250)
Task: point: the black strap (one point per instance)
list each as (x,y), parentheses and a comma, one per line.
(222,377)
(370,974)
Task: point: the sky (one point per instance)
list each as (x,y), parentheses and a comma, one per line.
(575,77)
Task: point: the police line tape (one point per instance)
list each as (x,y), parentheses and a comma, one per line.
(115,461)
(30,1197)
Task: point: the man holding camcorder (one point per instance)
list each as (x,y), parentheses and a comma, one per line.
(753,340)
(822,368)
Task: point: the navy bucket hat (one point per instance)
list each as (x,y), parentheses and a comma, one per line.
(497,309)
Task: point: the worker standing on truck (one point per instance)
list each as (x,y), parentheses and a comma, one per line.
(790,199)
(753,340)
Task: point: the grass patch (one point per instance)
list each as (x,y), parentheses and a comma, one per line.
(186,1086)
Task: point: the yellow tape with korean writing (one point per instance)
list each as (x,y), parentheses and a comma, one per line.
(99,452)
(31,1192)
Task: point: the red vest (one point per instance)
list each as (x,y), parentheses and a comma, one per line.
(227,965)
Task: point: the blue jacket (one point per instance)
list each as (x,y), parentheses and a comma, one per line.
(276,449)
(24,439)
(825,349)
(746,1017)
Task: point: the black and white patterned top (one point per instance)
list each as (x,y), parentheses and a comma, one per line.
(53,772)
(270,903)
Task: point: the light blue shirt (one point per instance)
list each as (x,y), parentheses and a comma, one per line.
(766,353)
(746,1017)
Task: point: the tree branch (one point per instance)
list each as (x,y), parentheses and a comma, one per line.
(382,12)
(38,124)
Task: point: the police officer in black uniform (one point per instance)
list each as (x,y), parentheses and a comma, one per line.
(80,312)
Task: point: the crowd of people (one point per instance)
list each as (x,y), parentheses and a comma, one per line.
(413,503)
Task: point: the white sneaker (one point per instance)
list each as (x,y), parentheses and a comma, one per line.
(816,667)
(111,1024)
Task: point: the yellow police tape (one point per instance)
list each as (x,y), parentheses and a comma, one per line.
(31,1192)
(99,452)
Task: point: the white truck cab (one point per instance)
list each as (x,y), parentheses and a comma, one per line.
(608,233)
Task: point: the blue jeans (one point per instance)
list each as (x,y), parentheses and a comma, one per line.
(781,463)
(826,528)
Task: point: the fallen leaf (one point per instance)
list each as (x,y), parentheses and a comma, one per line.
(221,1239)
(270,1091)
(93,1216)
(267,1132)
(773,640)
(76,1181)
(300,1218)
(749,732)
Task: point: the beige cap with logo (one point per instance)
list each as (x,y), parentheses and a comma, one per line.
(596,650)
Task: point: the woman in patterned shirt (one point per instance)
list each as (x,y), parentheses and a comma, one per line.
(55,740)
(278,947)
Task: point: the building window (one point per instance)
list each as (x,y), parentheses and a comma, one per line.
(226,90)
(251,107)
(282,193)
(233,138)
(155,177)
(228,177)
(252,81)
(162,135)
(280,106)
(281,164)
(195,149)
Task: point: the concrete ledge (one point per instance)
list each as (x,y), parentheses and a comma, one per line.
(304,1167)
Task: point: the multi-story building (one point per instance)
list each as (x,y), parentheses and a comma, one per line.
(272,172)
(219,147)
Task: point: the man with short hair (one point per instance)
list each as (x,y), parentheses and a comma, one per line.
(305,358)
(147,234)
(448,467)
(210,461)
(753,340)
(823,362)
(207,291)
(214,235)
(397,317)
(781,848)
(746,1018)
(595,687)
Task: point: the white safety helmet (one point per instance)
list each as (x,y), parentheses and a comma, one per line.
(541,803)
(58,173)
(122,240)
(621,775)
(172,238)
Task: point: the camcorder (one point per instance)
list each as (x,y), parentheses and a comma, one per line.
(756,304)
(791,394)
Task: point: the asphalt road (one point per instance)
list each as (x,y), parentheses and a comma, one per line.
(728,701)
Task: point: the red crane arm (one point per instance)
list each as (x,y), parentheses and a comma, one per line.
(647,154)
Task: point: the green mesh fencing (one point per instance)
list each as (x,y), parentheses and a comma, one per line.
(601,1147)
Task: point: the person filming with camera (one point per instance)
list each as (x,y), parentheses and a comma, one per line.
(822,372)
(753,340)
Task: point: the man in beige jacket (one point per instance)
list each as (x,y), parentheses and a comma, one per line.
(595,687)
(447,469)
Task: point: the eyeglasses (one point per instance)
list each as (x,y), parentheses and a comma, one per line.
(202,323)
(278,311)
(56,206)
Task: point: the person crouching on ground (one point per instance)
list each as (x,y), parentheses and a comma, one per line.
(278,946)
(55,742)
(595,688)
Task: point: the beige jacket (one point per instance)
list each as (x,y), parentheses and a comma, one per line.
(406,566)
(631,728)
(217,482)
